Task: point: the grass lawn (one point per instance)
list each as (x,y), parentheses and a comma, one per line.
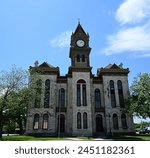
(29,138)
(132,137)
(115,138)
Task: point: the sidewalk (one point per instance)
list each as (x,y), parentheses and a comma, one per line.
(80,139)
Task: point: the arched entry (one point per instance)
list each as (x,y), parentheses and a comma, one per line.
(99,123)
(61,123)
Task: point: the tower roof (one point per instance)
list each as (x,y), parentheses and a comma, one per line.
(79,29)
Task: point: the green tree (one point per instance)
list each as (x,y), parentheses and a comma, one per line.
(140,96)
(18,89)
(17,105)
(10,82)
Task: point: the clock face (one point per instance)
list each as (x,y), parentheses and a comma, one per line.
(80,43)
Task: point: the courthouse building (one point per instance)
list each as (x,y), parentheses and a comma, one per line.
(80,103)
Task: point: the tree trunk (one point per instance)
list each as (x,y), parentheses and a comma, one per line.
(1,124)
(20,125)
(1,131)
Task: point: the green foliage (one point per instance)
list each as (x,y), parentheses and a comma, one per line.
(17,91)
(140,96)
(10,127)
(11,81)
(140,125)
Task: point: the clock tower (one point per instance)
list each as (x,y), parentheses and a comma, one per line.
(79,79)
(80,50)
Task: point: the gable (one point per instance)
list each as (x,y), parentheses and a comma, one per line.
(45,65)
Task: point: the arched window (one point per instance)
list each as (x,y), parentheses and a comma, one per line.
(47,94)
(45,121)
(38,93)
(78,58)
(81,93)
(115,121)
(36,121)
(78,120)
(120,93)
(62,97)
(84,94)
(83,58)
(78,95)
(97,98)
(112,94)
(123,121)
(85,125)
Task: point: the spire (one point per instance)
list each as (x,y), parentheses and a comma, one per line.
(79,29)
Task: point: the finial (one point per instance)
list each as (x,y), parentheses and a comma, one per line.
(121,65)
(78,21)
(36,63)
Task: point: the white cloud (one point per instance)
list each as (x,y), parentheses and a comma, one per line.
(133,11)
(61,40)
(131,38)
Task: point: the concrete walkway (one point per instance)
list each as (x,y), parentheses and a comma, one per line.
(80,139)
(74,139)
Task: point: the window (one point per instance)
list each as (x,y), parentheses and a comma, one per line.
(112,94)
(97,98)
(123,121)
(38,93)
(85,126)
(45,121)
(83,58)
(78,120)
(115,121)
(61,97)
(120,93)
(36,121)
(78,58)
(84,94)
(78,95)
(81,93)
(47,93)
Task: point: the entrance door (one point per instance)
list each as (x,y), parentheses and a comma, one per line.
(99,123)
(61,123)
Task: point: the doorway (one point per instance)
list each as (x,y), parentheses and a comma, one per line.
(61,123)
(99,123)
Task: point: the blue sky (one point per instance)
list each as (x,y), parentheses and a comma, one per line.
(40,30)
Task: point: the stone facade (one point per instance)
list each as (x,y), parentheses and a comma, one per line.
(80,103)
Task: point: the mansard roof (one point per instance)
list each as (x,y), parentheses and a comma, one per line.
(114,66)
(45,68)
(45,64)
(113,69)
